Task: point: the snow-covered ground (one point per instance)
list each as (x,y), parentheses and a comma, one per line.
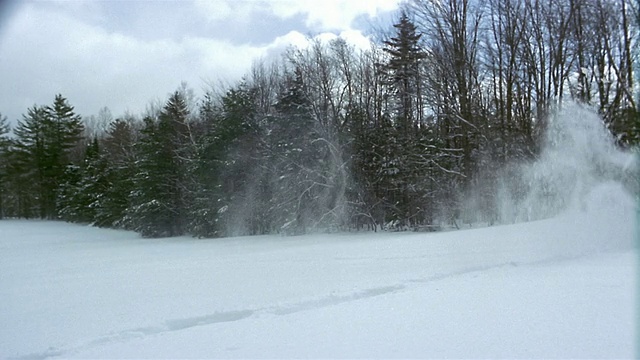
(558,288)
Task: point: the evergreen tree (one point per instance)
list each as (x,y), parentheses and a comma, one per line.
(158,206)
(403,72)
(84,187)
(118,159)
(31,163)
(63,131)
(363,168)
(289,147)
(202,217)
(45,139)
(64,127)
(396,148)
(224,166)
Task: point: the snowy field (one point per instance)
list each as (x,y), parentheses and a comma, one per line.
(558,288)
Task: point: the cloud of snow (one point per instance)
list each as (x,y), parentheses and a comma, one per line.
(580,174)
(579,157)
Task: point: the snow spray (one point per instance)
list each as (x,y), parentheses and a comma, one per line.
(580,174)
(578,168)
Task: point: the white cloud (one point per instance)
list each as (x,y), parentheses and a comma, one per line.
(294,38)
(356,38)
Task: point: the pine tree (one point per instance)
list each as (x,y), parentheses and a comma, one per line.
(289,145)
(64,127)
(202,217)
(225,165)
(158,206)
(363,168)
(395,149)
(148,212)
(403,72)
(31,162)
(45,139)
(118,159)
(63,130)
(84,187)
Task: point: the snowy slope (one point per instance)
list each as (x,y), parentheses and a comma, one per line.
(557,288)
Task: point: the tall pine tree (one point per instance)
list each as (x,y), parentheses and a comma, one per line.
(395,149)
(225,167)
(119,159)
(85,186)
(158,206)
(46,137)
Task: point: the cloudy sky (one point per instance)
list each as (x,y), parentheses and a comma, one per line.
(123,54)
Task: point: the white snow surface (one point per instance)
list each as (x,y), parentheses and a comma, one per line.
(557,288)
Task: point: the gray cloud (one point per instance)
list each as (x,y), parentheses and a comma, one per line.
(125,54)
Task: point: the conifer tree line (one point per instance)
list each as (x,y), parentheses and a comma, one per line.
(330,137)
